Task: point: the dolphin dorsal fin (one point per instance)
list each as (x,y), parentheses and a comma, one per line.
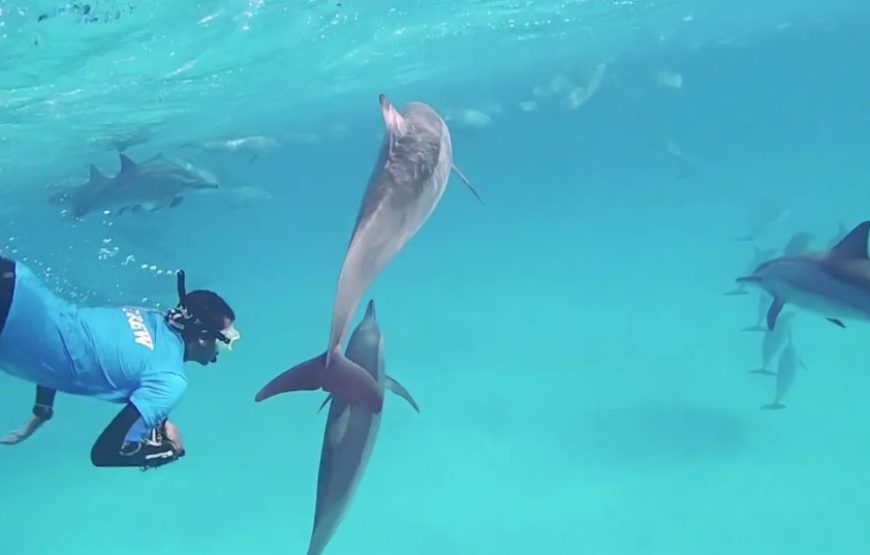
(127,165)
(853,245)
(95,176)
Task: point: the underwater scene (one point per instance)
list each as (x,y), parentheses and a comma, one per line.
(434,277)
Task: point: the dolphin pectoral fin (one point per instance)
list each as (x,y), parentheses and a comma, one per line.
(773,311)
(176,201)
(253,158)
(773,406)
(836,321)
(465,180)
(753,328)
(306,376)
(325,402)
(764,371)
(348,381)
(400,390)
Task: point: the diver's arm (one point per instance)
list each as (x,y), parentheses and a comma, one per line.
(43,406)
(150,451)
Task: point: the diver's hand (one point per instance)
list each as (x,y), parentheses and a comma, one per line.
(24,432)
(173,435)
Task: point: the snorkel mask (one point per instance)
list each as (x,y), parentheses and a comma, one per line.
(192,321)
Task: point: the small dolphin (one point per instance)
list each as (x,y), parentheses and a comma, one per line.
(834,283)
(798,244)
(251,146)
(773,342)
(155,183)
(768,213)
(350,434)
(788,363)
(408,180)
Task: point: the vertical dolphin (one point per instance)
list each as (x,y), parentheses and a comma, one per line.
(408,180)
(788,363)
(350,434)
(773,342)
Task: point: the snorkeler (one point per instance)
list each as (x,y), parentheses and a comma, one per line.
(125,355)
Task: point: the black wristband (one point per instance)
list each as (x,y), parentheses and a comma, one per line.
(43,411)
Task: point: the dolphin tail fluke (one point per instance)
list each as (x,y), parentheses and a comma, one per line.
(465,180)
(773,406)
(400,390)
(306,376)
(764,371)
(348,381)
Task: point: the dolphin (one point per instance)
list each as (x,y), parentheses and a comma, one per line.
(798,244)
(155,183)
(252,146)
(773,342)
(788,363)
(350,434)
(768,213)
(408,180)
(834,283)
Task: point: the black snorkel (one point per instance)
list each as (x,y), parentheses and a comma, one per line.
(180,284)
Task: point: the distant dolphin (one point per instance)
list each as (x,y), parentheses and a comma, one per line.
(773,341)
(155,183)
(798,244)
(350,435)
(252,146)
(408,180)
(834,283)
(788,363)
(768,213)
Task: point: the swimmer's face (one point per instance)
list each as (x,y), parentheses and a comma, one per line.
(202,350)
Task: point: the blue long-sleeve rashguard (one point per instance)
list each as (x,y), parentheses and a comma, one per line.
(118,354)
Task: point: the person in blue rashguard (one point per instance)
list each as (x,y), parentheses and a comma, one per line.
(128,355)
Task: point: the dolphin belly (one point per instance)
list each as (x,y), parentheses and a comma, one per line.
(829,297)
(343,461)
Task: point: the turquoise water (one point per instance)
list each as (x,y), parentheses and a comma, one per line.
(582,378)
